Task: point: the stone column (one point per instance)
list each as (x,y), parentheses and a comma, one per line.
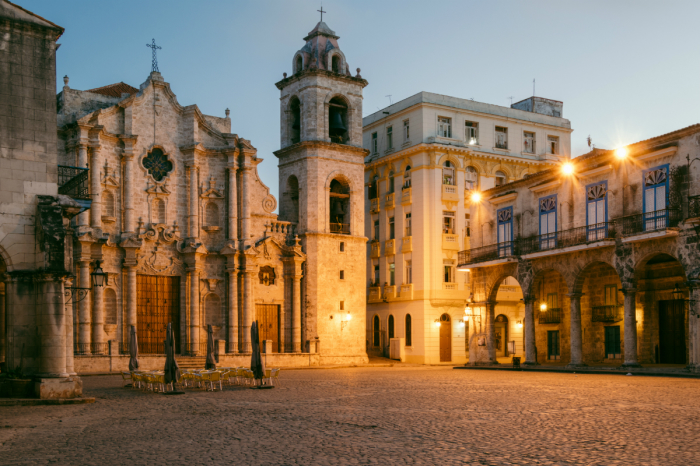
(248,308)
(529,332)
(128,200)
(232,204)
(575,331)
(245,206)
(232,310)
(82,163)
(51,325)
(95,189)
(131,291)
(193,276)
(296,314)
(3,342)
(98,319)
(194,205)
(630,327)
(491,332)
(84,306)
(693,325)
(70,366)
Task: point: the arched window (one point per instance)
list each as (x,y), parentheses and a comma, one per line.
(212,215)
(339,203)
(158,213)
(212,311)
(391,326)
(295,131)
(471,179)
(407,177)
(448,173)
(335,64)
(108,203)
(299,66)
(110,307)
(337,120)
(391,182)
(293,190)
(409,331)
(501,178)
(375,332)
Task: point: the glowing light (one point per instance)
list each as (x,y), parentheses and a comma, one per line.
(476,197)
(621,152)
(543,307)
(464,270)
(519,324)
(468,311)
(437,324)
(461,323)
(567,168)
(348,316)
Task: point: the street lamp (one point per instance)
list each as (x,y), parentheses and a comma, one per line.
(98,275)
(79,293)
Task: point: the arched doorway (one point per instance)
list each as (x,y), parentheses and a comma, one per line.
(552,318)
(445,338)
(509,315)
(501,336)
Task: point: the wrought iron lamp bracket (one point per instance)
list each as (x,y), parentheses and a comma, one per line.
(76,292)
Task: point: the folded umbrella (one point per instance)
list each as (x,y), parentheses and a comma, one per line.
(211,361)
(133,350)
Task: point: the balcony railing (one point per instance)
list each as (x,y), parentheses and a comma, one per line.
(693,206)
(567,238)
(374,205)
(74,182)
(612,313)
(486,253)
(550,316)
(340,228)
(650,221)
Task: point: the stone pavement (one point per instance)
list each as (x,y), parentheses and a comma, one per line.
(398,415)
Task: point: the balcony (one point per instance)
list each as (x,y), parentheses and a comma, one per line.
(550,316)
(406,195)
(389,202)
(501,252)
(374,294)
(74,182)
(376,250)
(407,245)
(449,286)
(567,239)
(450,242)
(390,292)
(650,225)
(374,205)
(613,313)
(449,193)
(407,291)
(340,228)
(390,247)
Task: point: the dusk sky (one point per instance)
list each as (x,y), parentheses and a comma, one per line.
(625,70)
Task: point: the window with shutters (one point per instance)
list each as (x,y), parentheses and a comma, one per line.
(548,222)
(448,173)
(408,224)
(448,222)
(471,178)
(471,132)
(376,230)
(376,275)
(390,138)
(467,225)
(406,131)
(448,272)
(407,177)
(501,137)
(553,145)
(529,142)
(655,198)
(505,231)
(392,273)
(553,345)
(391,182)
(611,295)
(375,147)
(409,273)
(444,127)
(597,210)
(391,228)
(552,301)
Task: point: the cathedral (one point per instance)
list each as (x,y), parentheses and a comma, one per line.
(186,232)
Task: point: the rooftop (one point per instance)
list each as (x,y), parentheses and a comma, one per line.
(114,90)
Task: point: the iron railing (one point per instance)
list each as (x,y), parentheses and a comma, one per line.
(90,348)
(567,238)
(693,206)
(487,253)
(74,182)
(610,313)
(340,228)
(650,221)
(197,349)
(550,316)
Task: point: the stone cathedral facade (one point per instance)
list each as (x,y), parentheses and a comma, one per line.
(186,230)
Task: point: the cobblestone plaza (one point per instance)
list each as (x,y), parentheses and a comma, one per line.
(399,415)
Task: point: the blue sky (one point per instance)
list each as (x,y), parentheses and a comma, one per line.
(625,70)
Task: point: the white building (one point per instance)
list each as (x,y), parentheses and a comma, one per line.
(428,154)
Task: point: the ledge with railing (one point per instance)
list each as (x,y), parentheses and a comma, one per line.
(340,228)
(567,238)
(74,182)
(611,313)
(650,221)
(550,316)
(486,253)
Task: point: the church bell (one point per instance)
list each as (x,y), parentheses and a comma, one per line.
(338,209)
(336,126)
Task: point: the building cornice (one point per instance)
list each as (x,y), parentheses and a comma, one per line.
(359,151)
(322,73)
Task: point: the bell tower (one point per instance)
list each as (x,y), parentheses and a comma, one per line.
(321,185)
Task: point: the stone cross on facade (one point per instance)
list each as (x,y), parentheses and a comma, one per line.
(154,47)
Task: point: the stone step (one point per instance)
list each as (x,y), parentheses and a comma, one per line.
(191,362)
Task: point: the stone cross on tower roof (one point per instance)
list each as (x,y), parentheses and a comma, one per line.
(154,61)
(321,11)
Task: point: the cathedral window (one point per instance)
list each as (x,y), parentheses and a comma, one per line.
(158,213)
(337,121)
(212,215)
(212,310)
(157,164)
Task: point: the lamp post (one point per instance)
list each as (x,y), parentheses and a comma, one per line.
(97,277)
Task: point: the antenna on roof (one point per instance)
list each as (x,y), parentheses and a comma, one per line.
(533,88)
(511,100)
(389,96)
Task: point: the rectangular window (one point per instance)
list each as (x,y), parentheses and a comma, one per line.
(505,231)
(553,345)
(409,273)
(342,274)
(468,225)
(408,224)
(471,132)
(449,273)
(548,222)
(392,274)
(391,228)
(376,230)
(471,178)
(342,246)
(529,142)
(553,145)
(342,305)
(612,342)
(390,138)
(597,210)
(444,127)
(611,295)
(376,275)
(501,137)
(406,131)
(448,223)
(375,147)
(552,301)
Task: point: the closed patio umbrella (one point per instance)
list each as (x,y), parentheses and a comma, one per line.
(172,371)
(211,361)
(256,362)
(133,350)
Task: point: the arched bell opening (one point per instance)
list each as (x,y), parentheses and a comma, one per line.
(335,64)
(298,65)
(338,121)
(295,121)
(339,207)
